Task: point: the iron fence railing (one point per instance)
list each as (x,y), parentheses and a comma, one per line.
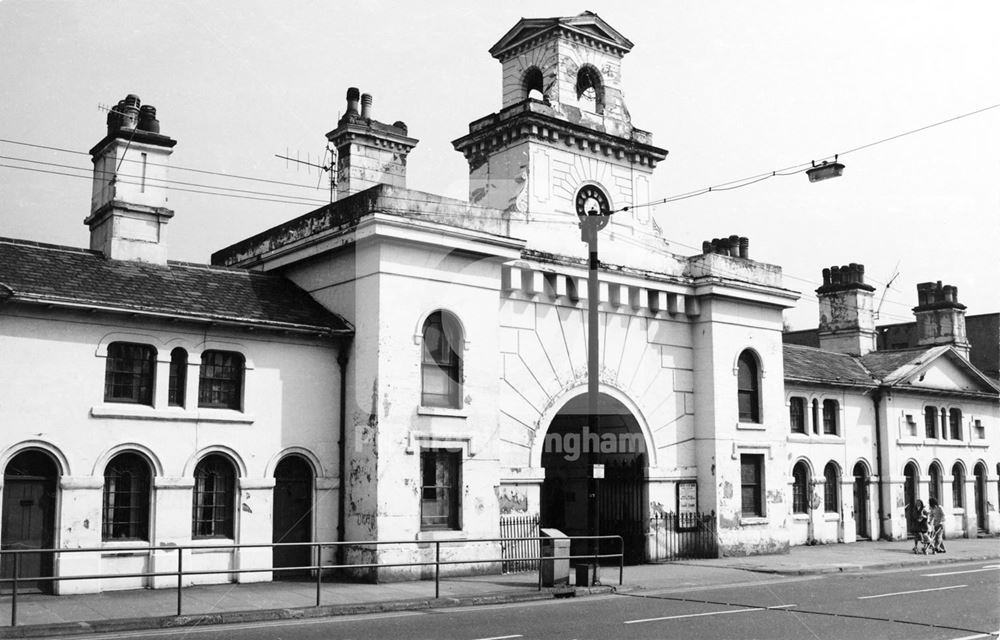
(316,568)
(519,533)
(679,536)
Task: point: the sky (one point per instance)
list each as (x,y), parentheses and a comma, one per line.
(732,89)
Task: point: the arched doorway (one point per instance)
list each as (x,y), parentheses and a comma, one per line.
(292,520)
(861,529)
(29,516)
(569,450)
(982,522)
(910,474)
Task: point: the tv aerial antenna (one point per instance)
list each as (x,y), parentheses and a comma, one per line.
(888,285)
(328,164)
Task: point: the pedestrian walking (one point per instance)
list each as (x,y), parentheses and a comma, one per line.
(919,527)
(935,522)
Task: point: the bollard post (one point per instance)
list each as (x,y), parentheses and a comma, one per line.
(319,573)
(180,575)
(621,560)
(437,569)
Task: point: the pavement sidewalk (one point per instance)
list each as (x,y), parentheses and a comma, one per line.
(46,616)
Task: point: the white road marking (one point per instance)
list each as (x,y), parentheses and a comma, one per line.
(711,613)
(502,637)
(903,593)
(989,567)
(975,637)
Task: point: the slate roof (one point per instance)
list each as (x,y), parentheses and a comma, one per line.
(883,363)
(69,276)
(807,364)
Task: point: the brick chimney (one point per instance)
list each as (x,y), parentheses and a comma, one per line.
(846,311)
(940,317)
(128,208)
(369,152)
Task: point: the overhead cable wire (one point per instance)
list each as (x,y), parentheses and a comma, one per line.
(170,166)
(164,181)
(797,168)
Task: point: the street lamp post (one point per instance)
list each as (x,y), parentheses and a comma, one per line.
(594,212)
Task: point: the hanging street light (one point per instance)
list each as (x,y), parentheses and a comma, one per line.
(825,170)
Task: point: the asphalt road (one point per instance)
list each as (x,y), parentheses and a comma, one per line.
(953,602)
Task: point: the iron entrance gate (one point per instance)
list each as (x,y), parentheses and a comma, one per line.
(622,503)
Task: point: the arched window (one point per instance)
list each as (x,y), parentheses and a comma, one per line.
(958,486)
(748,383)
(934,482)
(178,377)
(590,89)
(800,488)
(441,362)
(831,410)
(930,422)
(214,505)
(797,414)
(831,490)
(220,380)
(125,515)
(128,373)
(533,84)
(955,422)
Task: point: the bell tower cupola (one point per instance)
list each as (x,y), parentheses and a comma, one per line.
(563,127)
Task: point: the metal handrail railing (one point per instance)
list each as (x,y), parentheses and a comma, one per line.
(317,567)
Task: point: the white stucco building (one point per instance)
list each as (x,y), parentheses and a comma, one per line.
(402,366)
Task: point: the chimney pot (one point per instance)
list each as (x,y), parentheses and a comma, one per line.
(130,112)
(835,275)
(706,247)
(745,247)
(366,106)
(399,124)
(734,246)
(352,101)
(147,119)
(826,277)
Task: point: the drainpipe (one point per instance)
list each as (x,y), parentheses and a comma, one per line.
(876,401)
(342,359)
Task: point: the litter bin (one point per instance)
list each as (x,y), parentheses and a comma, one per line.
(554,547)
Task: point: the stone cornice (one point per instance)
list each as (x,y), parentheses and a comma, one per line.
(349,132)
(561,32)
(528,121)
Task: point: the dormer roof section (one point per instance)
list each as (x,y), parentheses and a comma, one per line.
(587,26)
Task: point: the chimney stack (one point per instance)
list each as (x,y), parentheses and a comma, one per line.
(369,152)
(940,317)
(128,209)
(846,311)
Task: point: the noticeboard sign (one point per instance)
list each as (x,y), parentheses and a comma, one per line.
(687,499)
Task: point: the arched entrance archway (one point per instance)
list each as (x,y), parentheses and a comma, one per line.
(29,515)
(292,520)
(568,452)
(861,529)
(910,475)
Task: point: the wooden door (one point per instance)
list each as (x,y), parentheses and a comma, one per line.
(292,520)
(28,515)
